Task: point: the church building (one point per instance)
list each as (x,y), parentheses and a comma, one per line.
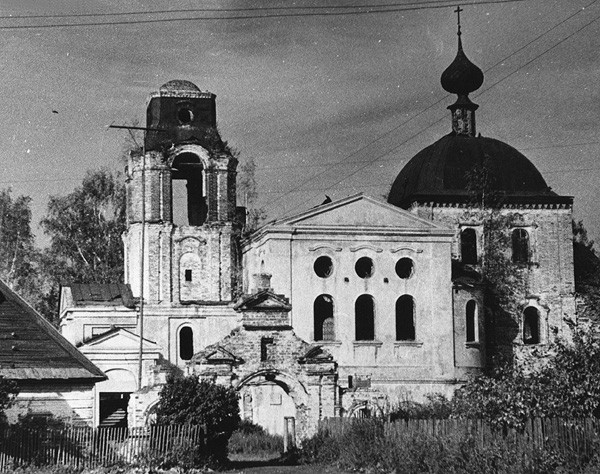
(344,309)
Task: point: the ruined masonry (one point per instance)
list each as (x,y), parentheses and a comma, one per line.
(345,309)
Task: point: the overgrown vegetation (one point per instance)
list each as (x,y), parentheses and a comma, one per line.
(189,400)
(8,392)
(587,274)
(367,446)
(248,197)
(85,229)
(251,440)
(19,259)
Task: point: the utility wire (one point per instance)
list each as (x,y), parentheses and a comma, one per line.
(328,165)
(360,168)
(248,9)
(344,161)
(250,17)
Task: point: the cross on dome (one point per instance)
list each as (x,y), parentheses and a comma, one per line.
(461,78)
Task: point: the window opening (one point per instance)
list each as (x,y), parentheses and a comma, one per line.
(520,246)
(265,342)
(323,266)
(185,115)
(531,326)
(364,313)
(405,318)
(468,246)
(323,318)
(404,267)
(471,311)
(364,267)
(186,343)
(187,168)
(188,275)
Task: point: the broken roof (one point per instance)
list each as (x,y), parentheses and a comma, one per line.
(32,349)
(111,294)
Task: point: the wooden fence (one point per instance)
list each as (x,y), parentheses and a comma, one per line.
(577,437)
(87,447)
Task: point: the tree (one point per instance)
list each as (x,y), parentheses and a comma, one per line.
(189,400)
(504,282)
(587,273)
(8,392)
(85,229)
(247,192)
(18,255)
(566,385)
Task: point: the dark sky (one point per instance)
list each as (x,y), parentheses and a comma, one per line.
(323,104)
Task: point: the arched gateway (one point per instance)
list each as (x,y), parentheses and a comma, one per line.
(277,374)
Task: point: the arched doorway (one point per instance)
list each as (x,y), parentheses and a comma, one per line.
(113,397)
(266,398)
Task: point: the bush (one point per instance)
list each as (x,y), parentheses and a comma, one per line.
(252,440)
(368,446)
(188,400)
(566,384)
(436,406)
(8,392)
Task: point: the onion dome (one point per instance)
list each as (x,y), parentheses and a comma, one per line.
(448,170)
(462,76)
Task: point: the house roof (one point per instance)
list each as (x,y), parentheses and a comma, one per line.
(109,294)
(32,349)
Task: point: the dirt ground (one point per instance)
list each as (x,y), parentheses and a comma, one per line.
(272,466)
(249,468)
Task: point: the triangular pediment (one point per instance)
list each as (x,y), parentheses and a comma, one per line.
(117,339)
(264,300)
(220,356)
(316,354)
(360,211)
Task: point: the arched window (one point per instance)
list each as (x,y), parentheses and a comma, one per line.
(531,325)
(468,246)
(405,318)
(472,323)
(520,246)
(364,314)
(186,343)
(323,318)
(187,184)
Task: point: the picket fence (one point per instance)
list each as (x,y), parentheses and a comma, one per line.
(578,437)
(84,447)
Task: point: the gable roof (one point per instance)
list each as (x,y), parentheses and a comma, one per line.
(108,294)
(357,213)
(32,349)
(264,300)
(117,339)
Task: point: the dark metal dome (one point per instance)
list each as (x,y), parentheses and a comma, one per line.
(440,173)
(462,76)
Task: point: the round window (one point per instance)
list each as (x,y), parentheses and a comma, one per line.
(185,115)
(364,267)
(323,267)
(404,267)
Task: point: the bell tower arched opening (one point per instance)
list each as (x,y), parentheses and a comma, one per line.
(189,190)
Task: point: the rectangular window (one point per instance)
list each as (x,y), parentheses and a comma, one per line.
(265,342)
(188,275)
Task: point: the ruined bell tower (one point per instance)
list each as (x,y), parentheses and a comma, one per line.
(181,200)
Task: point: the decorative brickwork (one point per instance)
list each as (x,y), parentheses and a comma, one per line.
(268,363)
